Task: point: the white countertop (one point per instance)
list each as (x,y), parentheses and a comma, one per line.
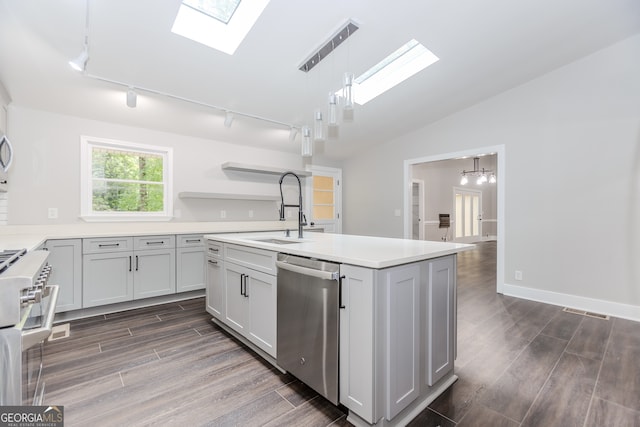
(32,236)
(365,251)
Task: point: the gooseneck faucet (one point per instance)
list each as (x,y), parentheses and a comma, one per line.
(301,220)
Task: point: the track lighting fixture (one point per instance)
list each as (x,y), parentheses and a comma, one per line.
(80,62)
(228,119)
(132,98)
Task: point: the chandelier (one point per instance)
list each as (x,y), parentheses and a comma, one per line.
(482,175)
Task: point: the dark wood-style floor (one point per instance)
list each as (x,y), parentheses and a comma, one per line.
(520,363)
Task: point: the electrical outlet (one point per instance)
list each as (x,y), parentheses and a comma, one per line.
(53,213)
(397,212)
(250,214)
(223,213)
(518,275)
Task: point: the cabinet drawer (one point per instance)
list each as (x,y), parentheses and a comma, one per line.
(154,242)
(214,249)
(107,244)
(190,241)
(257,259)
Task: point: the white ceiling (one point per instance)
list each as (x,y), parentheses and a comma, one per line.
(485,47)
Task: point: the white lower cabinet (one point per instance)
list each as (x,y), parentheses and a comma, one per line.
(396,328)
(241,292)
(65,255)
(125,268)
(215,288)
(190,263)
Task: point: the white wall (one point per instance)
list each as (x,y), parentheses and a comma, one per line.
(572,152)
(46,169)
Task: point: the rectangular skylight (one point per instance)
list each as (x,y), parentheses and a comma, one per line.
(222,10)
(196,21)
(408,60)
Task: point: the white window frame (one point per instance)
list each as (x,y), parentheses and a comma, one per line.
(86,182)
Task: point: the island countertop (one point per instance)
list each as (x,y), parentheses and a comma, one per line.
(364,251)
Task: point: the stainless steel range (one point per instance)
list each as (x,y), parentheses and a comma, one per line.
(27,309)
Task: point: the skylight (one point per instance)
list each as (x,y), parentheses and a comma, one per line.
(222,10)
(220,24)
(408,60)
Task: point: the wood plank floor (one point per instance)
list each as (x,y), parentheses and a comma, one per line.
(520,363)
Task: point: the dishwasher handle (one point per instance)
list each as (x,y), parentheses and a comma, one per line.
(326,275)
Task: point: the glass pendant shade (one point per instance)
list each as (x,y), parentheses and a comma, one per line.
(464,180)
(307,143)
(332,119)
(492,179)
(347,91)
(318,126)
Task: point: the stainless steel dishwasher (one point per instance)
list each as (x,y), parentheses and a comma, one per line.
(308,322)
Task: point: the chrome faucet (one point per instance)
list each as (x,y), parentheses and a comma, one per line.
(301,217)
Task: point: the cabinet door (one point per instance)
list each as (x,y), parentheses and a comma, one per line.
(107,278)
(402,337)
(215,288)
(357,368)
(441,318)
(155,273)
(236,305)
(65,256)
(190,269)
(261,291)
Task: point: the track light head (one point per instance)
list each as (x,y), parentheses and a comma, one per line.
(132,98)
(80,62)
(228,119)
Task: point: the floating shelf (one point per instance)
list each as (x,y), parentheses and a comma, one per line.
(226,196)
(241,167)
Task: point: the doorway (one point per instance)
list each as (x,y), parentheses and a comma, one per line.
(467,215)
(417,209)
(499,151)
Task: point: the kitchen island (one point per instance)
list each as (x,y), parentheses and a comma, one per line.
(397,317)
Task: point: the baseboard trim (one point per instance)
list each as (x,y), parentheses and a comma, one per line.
(615,309)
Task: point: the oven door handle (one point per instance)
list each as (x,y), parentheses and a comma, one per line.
(326,275)
(31,337)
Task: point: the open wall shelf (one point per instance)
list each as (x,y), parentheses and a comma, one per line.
(226,196)
(242,167)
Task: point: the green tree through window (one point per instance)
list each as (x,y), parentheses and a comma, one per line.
(125,179)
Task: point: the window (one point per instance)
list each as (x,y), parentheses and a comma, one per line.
(125,181)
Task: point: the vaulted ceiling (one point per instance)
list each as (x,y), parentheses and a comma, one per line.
(485,47)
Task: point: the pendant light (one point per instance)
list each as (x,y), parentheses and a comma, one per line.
(318,127)
(347,93)
(132,98)
(307,143)
(332,119)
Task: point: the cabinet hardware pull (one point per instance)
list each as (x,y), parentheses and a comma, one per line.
(129,262)
(213,249)
(136,262)
(241,280)
(246,294)
(156,243)
(193,240)
(110,245)
(340,305)
(212,262)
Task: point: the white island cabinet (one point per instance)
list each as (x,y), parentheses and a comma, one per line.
(397,315)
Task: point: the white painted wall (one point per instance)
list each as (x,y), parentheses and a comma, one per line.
(573,231)
(46,169)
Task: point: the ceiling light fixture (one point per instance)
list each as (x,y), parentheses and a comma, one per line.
(480,174)
(318,126)
(334,41)
(132,97)
(307,143)
(79,63)
(228,119)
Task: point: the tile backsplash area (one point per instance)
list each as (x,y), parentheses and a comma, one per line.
(4,207)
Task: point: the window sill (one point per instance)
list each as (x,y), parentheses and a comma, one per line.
(128,218)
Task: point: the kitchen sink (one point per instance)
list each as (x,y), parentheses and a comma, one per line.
(276,241)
